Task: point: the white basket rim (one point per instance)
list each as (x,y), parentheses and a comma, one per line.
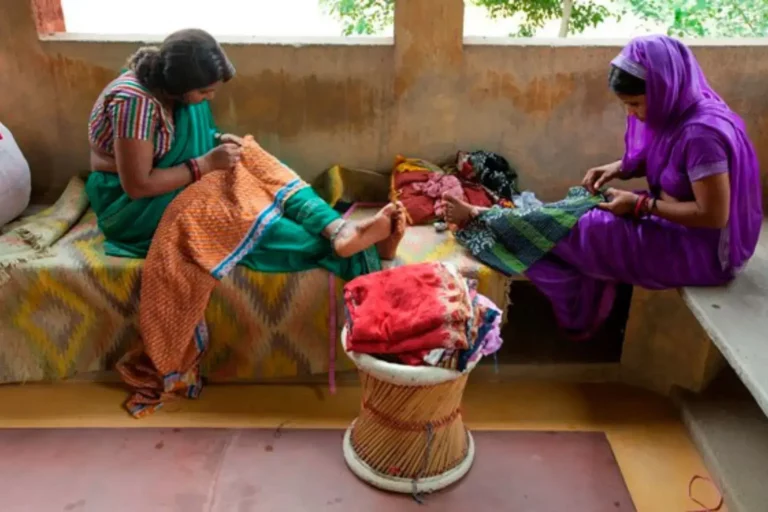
(404,485)
(401,374)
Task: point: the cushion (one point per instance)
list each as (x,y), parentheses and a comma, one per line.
(15,179)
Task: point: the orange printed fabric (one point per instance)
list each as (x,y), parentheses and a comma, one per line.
(203,234)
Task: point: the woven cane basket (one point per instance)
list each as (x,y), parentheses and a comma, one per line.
(410,435)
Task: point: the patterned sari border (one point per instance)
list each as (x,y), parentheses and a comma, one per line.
(267,218)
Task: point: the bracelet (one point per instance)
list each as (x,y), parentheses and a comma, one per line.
(336,232)
(653,205)
(194,169)
(641,200)
(191,170)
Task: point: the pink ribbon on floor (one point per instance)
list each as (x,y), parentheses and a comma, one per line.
(333,325)
(705,508)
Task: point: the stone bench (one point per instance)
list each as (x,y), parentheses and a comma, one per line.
(736,319)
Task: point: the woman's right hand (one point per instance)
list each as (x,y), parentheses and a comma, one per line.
(224,156)
(597,177)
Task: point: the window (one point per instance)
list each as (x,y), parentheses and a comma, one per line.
(612,19)
(259,18)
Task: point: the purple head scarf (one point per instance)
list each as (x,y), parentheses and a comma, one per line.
(677,96)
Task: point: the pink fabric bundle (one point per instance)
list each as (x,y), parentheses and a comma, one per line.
(437,185)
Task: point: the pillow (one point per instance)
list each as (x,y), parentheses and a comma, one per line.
(15,179)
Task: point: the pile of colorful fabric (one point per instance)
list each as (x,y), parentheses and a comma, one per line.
(423,314)
(483,171)
(511,240)
(479,177)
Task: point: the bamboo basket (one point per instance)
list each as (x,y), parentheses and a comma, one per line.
(410,436)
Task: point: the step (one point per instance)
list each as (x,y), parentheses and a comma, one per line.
(731,433)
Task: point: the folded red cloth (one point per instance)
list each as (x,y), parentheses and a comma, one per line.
(420,190)
(477,195)
(421,208)
(419,357)
(406,309)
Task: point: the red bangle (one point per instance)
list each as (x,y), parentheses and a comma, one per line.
(194,169)
(639,205)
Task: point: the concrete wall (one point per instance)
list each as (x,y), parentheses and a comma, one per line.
(546,108)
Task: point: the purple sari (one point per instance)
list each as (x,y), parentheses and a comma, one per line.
(690,134)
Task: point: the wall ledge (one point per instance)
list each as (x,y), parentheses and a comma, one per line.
(228,40)
(390,41)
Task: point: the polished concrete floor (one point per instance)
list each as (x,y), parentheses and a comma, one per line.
(654,457)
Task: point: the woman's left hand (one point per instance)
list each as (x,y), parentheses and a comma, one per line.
(620,202)
(224,138)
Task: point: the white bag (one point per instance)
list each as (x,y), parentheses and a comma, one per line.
(15,179)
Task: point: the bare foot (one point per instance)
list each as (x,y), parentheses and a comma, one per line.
(388,247)
(458,212)
(355,238)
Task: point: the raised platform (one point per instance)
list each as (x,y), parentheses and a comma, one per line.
(72,312)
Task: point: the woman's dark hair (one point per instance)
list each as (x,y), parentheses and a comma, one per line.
(187,60)
(622,82)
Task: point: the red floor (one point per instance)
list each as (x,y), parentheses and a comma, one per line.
(208,470)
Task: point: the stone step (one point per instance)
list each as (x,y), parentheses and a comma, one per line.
(731,433)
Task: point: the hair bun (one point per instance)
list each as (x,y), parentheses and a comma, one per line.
(147,63)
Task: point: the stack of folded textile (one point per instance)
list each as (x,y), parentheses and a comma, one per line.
(423,314)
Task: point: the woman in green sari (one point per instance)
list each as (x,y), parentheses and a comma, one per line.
(152,133)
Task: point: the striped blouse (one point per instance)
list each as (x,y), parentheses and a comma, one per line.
(127,110)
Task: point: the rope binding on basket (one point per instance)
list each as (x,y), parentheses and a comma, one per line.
(410,426)
(417,496)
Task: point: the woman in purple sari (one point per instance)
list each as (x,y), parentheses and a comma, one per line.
(699,221)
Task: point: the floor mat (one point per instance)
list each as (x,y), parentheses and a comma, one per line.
(243,470)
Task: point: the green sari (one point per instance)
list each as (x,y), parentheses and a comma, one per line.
(292,244)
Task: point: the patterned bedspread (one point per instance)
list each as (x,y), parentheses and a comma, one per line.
(73,310)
